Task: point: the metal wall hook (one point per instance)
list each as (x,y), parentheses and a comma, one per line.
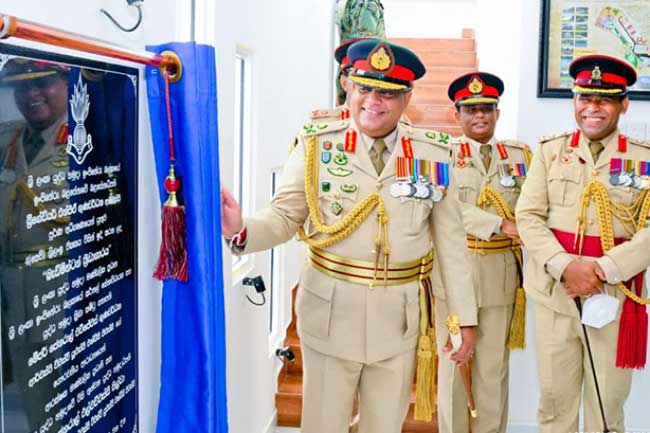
(258,304)
(135,3)
(260,288)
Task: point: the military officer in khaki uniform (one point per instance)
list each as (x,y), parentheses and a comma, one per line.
(370,197)
(31,151)
(490,173)
(583,215)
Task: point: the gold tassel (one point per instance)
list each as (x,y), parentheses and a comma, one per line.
(517,335)
(434,361)
(424,380)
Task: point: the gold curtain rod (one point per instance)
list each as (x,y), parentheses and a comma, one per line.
(11,26)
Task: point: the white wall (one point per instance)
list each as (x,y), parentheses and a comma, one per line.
(290,45)
(507,35)
(159,26)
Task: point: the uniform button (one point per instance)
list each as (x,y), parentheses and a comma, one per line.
(562,177)
(461,186)
(595,173)
(337,196)
(590,222)
(628,189)
(371,286)
(379,185)
(488,180)
(373,251)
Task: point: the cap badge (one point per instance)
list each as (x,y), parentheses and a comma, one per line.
(380,59)
(596,74)
(475,86)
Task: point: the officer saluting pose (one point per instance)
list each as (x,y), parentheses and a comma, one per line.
(490,173)
(370,196)
(583,215)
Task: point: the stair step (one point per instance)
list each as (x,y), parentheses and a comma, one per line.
(431,95)
(443,75)
(449,58)
(288,401)
(419,44)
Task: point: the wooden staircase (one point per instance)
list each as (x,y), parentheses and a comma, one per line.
(445,60)
(288,398)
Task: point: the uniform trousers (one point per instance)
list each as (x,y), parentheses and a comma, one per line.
(490,367)
(330,385)
(565,374)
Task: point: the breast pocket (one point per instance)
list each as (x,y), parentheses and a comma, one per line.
(418,211)
(467,193)
(335,205)
(623,195)
(511,195)
(564,185)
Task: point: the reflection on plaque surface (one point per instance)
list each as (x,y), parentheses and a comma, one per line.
(68,140)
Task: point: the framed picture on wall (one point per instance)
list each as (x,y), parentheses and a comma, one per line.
(573,28)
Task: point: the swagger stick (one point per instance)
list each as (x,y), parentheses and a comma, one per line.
(453,325)
(593,368)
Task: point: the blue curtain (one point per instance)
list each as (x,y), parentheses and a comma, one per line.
(193,370)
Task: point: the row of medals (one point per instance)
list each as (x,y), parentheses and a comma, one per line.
(420,189)
(630,179)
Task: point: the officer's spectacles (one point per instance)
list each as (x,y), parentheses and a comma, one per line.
(382,93)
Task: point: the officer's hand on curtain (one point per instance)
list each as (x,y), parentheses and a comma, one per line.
(231,217)
(466,351)
(582,279)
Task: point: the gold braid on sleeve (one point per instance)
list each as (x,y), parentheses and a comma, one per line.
(349,223)
(632,217)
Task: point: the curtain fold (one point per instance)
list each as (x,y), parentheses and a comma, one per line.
(193,370)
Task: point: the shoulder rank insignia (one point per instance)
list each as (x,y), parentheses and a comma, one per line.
(638,142)
(546,138)
(432,137)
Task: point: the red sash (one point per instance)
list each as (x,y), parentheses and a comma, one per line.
(633,329)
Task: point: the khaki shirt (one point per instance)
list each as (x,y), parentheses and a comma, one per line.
(497,275)
(353,321)
(551,199)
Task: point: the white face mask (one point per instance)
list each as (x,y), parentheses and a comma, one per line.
(599,310)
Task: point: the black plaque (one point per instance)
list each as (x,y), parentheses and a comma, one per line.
(68,140)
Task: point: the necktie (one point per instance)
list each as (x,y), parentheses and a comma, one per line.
(595,147)
(33,144)
(486,157)
(376,155)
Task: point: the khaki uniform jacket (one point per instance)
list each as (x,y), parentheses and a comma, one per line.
(495,271)
(551,199)
(21,235)
(351,321)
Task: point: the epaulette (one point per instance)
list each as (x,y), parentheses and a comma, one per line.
(321,128)
(11,126)
(545,138)
(320,114)
(429,136)
(517,144)
(638,142)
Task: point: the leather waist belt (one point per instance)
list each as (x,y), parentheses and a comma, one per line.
(498,244)
(362,272)
(591,246)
